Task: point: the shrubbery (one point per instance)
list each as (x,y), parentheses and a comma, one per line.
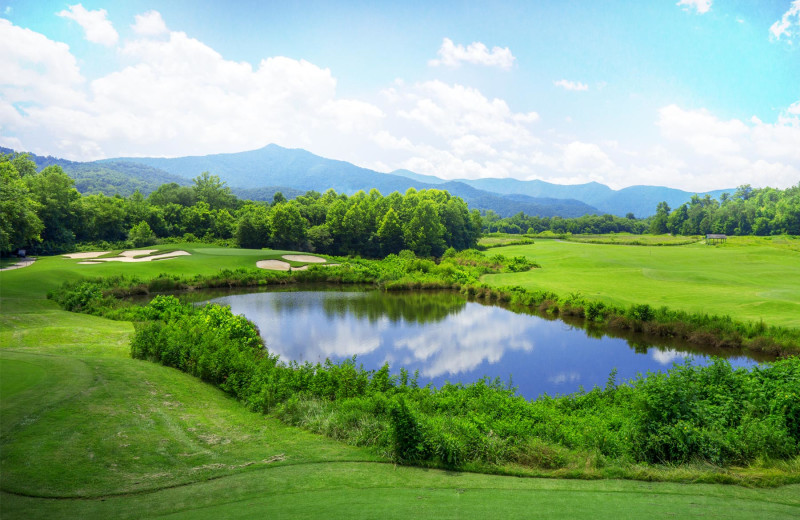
(714,414)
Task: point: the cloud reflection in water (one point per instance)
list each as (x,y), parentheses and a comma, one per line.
(446,338)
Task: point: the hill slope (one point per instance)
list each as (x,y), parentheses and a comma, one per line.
(109,177)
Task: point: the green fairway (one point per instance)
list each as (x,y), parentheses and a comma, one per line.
(747,278)
(87,432)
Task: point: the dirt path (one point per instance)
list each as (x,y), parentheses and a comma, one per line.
(25,262)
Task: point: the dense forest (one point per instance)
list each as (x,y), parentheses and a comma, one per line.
(44,212)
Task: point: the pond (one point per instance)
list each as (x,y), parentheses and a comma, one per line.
(448,338)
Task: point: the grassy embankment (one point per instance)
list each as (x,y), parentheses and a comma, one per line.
(748,278)
(81,419)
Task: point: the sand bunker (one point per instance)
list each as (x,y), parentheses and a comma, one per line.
(138,252)
(305,258)
(131,256)
(128,259)
(279,265)
(91,254)
(273,265)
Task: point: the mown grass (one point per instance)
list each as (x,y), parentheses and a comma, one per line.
(106,436)
(501,239)
(357,490)
(748,278)
(635,240)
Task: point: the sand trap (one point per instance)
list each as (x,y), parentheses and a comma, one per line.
(278,265)
(138,252)
(273,265)
(133,256)
(129,259)
(92,254)
(305,258)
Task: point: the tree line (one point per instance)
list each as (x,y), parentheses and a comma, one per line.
(585,224)
(750,211)
(44,212)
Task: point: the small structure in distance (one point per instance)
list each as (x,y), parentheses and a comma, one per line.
(715,239)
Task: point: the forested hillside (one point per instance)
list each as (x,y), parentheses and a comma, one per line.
(109,177)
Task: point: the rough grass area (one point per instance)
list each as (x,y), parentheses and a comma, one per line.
(748,278)
(105,436)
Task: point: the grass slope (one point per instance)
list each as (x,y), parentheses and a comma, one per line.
(87,432)
(747,278)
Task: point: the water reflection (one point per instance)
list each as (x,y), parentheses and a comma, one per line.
(447,338)
(668,356)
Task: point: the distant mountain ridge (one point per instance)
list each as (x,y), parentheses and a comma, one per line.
(639,200)
(257,174)
(301,170)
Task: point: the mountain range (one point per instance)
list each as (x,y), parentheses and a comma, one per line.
(258,174)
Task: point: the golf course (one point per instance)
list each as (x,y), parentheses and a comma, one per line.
(89,432)
(382,260)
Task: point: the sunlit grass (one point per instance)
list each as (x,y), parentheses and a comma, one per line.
(748,278)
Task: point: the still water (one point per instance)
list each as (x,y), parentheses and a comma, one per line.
(447,338)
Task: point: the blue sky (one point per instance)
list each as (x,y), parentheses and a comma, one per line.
(694,94)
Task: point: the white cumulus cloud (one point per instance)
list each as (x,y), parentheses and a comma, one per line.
(736,152)
(149,24)
(97,27)
(176,96)
(701,130)
(452,55)
(789,24)
(571,85)
(700,6)
(35,68)
(586,157)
